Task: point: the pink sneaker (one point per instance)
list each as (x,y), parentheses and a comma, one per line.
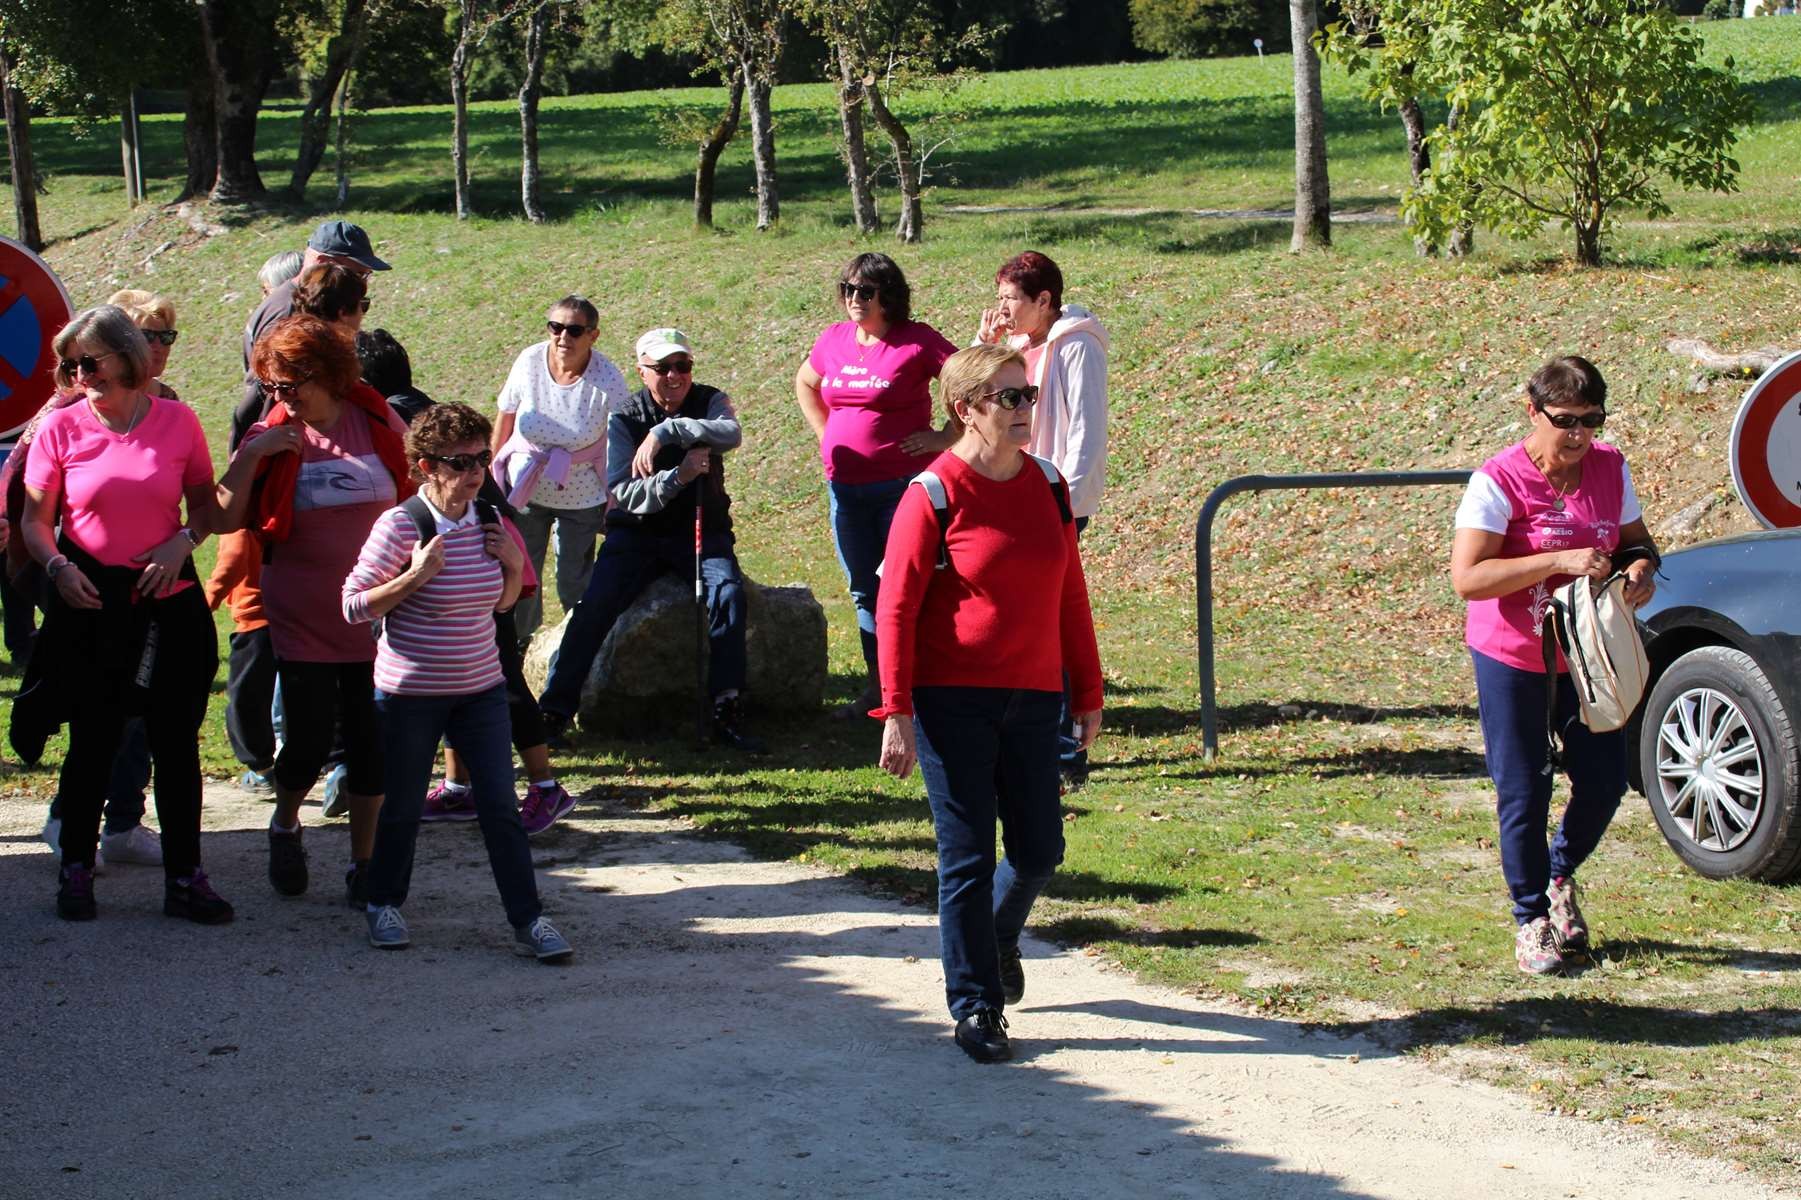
(1535,948)
(447,804)
(544,807)
(1567,921)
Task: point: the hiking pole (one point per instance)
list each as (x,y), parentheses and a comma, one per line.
(703,725)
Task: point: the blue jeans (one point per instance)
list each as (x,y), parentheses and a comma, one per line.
(1511,703)
(629,561)
(1069,743)
(479,730)
(861,515)
(125,787)
(987,753)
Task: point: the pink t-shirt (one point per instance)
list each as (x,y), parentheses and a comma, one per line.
(1510,496)
(342,489)
(121,493)
(875,396)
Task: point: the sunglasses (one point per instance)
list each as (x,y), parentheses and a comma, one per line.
(557,328)
(165,336)
(89,363)
(462,464)
(1012,398)
(683,366)
(1593,420)
(363,304)
(281,389)
(862,291)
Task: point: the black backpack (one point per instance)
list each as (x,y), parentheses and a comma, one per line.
(426,525)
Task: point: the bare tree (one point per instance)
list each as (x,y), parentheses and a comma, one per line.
(342,49)
(530,90)
(1312,193)
(476,20)
(856,153)
(18,150)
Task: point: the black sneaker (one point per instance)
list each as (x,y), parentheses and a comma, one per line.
(1072,777)
(556,731)
(983,1036)
(195,899)
(726,715)
(1013,977)
(356,886)
(287,863)
(75,893)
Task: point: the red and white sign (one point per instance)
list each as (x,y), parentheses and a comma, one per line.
(1766,446)
(34,306)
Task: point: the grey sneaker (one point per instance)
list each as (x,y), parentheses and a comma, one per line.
(337,800)
(1567,921)
(540,940)
(138,845)
(1535,948)
(387,928)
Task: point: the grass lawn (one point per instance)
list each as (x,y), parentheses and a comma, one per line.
(1336,862)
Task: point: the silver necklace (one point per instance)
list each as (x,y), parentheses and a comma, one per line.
(131,423)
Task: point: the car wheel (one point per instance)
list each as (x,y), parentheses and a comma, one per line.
(1719,760)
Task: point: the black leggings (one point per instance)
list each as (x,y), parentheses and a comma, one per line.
(319,700)
(522,706)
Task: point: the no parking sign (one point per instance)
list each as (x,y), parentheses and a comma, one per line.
(1766,446)
(33,307)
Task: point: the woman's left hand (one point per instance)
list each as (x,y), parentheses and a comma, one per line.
(163,568)
(1088,726)
(898,751)
(501,545)
(1641,583)
(927,441)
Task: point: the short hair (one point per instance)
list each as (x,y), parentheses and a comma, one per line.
(890,284)
(441,427)
(110,327)
(386,367)
(1569,380)
(1034,274)
(302,345)
(579,304)
(278,268)
(143,307)
(328,291)
(966,374)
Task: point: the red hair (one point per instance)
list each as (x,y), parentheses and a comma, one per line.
(1033,274)
(304,347)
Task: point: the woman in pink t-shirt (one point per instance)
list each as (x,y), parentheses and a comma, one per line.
(1554,506)
(865,390)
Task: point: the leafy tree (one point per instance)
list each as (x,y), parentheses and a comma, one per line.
(1198,28)
(242,52)
(18,155)
(741,40)
(329,36)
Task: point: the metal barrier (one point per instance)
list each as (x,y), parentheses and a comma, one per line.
(1203,556)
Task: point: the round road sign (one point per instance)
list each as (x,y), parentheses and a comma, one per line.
(33,307)
(1766,446)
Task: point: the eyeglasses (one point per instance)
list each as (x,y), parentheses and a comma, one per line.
(165,336)
(1593,420)
(462,464)
(281,389)
(862,291)
(363,304)
(1012,398)
(684,366)
(558,328)
(87,363)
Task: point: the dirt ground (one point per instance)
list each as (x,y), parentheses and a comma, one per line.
(728,1028)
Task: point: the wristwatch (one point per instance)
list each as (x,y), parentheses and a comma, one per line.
(193,538)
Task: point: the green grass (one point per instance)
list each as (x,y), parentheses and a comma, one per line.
(1336,862)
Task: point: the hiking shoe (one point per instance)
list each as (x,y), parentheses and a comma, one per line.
(1535,948)
(445,803)
(387,928)
(983,1036)
(287,863)
(356,886)
(544,807)
(195,899)
(1013,977)
(337,800)
(540,940)
(1567,922)
(138,845)
(261,783)
(75,893)
(727,713)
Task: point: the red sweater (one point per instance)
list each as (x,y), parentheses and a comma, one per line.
(1011,611)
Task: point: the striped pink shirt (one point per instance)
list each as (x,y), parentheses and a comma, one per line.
(439,641)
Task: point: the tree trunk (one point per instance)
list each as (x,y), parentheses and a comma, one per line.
(1312,194)
(200,137)
(129,157)
(529,91)
(315,119)
(911,226)
(1463,238)
(459,100)
(18,150)
(1419,161)
(341,154)
(856,154)
(706,165)
(1588,243)
(762,146)
(240,41)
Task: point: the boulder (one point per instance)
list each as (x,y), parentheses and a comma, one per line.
(647,667)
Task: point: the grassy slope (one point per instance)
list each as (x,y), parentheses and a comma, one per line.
(1337,864)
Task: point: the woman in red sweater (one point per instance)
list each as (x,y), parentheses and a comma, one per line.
(982,608)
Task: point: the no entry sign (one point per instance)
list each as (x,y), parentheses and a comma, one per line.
(33,307)
(1766,446)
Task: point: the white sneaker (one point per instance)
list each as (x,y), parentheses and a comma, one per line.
(337,800)
(138,845)
(53,834)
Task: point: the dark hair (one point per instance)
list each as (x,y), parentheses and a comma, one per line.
(1034,274)
(306,347)
(328,291)
(386,368)
(440,428)
(580,304)
(1570,380)
(890,285)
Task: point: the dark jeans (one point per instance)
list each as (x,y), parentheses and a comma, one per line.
(125,790)
(250,699)
(1512,707)
(987,753)
(321,701)
(861,515)
(629,561)
(476,726)
(1069,743)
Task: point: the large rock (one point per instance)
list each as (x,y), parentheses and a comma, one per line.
(646,669)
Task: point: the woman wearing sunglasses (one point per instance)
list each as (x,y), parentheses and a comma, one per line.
(155,315)
(1553,506)
(983,609)
(550,449)
(865,391)
(326,462)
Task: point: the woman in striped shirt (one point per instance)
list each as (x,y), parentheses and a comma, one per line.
(437,669)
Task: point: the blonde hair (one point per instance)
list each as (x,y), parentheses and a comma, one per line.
(142,306)
(967,373)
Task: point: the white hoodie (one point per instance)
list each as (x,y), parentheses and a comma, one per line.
(1069,424)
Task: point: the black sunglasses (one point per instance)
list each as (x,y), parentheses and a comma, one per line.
(281,389)
(363,304)
(462,464)
(165,336)
(575,330)
(87,362)
(1593,420)
(862,291)
(683,366)
(1012,398)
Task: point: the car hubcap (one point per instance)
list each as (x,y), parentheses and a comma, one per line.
(1709,769)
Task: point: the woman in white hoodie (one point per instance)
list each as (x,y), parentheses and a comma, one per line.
(1065,349)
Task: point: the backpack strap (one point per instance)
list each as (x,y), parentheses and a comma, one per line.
(485,513)
(424,524)
(1059,488)
(1551,636)
(941,508)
